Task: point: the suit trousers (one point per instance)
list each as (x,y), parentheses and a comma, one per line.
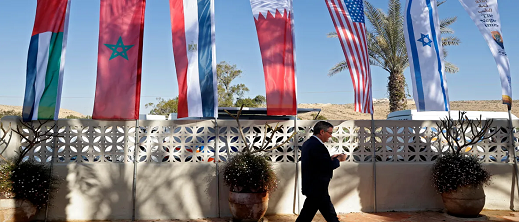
(323,203)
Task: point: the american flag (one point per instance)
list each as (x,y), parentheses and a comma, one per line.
(348,18)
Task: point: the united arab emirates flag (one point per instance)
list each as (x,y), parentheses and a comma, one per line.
(46,60)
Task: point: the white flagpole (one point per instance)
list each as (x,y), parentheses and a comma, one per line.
(512,147)
(216,161)
(296,206)
(374,160)
(135,156)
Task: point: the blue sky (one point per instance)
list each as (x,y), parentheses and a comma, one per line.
(237,43)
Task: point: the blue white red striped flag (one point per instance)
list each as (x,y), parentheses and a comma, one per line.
(192,26)
(424,49)
(348,19)
(46,60)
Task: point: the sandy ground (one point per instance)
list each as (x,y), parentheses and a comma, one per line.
(346,111)
(62,112)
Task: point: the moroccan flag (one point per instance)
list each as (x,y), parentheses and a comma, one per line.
(192,28)
(119,61)
(274,25)
(46,60)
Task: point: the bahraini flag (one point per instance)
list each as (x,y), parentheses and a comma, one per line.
(192,27)
(275,28)
(46,60)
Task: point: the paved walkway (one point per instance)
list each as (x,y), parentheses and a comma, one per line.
(427,216)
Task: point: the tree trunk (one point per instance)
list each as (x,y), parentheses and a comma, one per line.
(396,89)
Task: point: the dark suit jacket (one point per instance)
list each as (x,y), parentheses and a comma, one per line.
(316,167)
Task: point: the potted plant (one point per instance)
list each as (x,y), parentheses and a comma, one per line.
(25,185)
(457,175)
(250,176)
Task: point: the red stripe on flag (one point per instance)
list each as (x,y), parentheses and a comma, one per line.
(367,77)
(118,85)
(178,33)
(275,39)
(340,32)
(354,71)
(353,41)
(50,16)
(360,52)
(359,58)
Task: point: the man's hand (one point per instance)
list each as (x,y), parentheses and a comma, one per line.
(341,157)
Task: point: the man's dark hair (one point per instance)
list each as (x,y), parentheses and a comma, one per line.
(321,125)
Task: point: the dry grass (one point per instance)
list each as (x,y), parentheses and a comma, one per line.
(62,112)
(346,111)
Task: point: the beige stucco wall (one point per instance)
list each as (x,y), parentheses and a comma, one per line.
(103,191)
(189,190)
(176,191)
(92,192)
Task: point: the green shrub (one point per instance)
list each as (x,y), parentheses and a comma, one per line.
(27,181)
(452,171)
(249,172)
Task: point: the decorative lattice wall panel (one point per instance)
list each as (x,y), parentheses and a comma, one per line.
(209,141)
(176,141)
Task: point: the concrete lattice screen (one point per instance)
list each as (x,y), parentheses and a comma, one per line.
(177,175)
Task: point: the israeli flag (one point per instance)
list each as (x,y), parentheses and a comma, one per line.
(423,41)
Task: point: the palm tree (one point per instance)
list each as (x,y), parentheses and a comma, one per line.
(387,49)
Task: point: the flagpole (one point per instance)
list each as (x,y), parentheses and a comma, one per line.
(135,156)
(512,146)
(374,160)
(54,146)
(216,161)
(296,160)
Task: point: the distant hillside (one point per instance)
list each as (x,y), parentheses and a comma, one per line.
(346,111)
(62,112)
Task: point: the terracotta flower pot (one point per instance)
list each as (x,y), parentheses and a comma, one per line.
(248,206)
(465,201)
(12,210)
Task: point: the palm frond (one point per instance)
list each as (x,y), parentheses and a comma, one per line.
(376,17)
(451,68)
(445,52)
(332,35)
(444,23)
(450,40)
(446,31)
(375,62)
(339,67)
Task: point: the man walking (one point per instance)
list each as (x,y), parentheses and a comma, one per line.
(317,171)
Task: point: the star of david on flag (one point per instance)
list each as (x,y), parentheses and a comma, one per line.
(425,40)
(426,64)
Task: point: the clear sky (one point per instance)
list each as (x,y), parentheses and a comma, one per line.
(237,43)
